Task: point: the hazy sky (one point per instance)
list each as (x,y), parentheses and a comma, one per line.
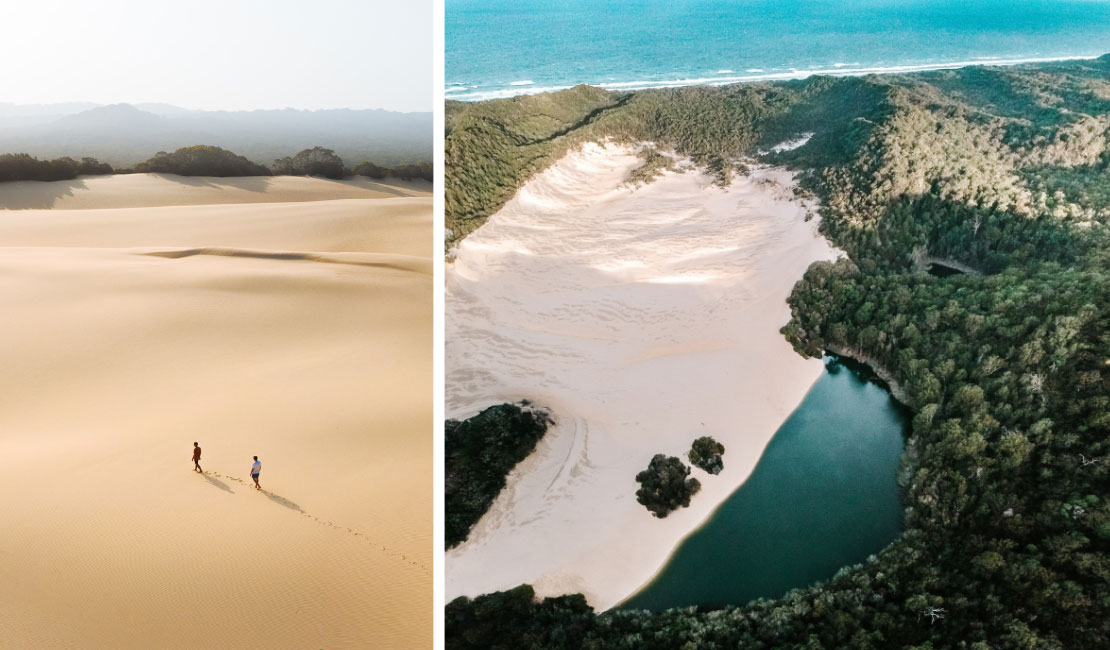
(225,54)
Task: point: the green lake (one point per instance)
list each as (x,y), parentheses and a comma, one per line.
(823,496)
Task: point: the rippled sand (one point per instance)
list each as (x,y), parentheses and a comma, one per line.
(643,318)
(293,328)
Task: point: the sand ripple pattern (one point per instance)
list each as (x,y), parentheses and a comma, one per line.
(213,477)
(635,314)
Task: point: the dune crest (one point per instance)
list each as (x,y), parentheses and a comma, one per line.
(385,261)
(155,190)
(297,329)
(643,317)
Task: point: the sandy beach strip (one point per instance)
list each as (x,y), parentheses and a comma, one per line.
(299,331)
(473,92)
(643,317)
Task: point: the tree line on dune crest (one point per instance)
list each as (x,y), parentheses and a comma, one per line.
(22,167)
(203,160)
(1006,472)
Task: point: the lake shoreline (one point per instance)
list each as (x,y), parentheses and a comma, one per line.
(694,279)
(839,453)
(884,377)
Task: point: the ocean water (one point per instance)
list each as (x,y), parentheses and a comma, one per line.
(502,48)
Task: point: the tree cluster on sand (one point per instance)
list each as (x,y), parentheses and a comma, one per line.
(706,454)
(665,486)
(201,160)
(24,167)
(478,454)
(316,161)
(205,160)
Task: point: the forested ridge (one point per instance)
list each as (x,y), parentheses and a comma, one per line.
(1002,170)
(205,160)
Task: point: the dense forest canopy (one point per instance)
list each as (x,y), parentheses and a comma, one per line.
(479,452)
(421,171)
(1005,171)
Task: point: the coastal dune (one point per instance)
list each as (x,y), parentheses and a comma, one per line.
(296,328)
(642,317)
(153,190)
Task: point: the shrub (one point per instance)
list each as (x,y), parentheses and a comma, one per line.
(664,486)
(370,170)
(316,161)
(706,454)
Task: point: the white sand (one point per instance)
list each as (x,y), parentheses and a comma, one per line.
(643,317)
(298,330)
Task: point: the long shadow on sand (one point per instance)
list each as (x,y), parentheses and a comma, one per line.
(282,501)
(247,183)
(36,195)
(218,483)
(397,187)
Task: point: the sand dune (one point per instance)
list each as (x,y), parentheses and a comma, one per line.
(643,318)
(153,190)
(299,331)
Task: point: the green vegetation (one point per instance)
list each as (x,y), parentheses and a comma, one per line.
(316,161)
(478,454)
(201,160)
(493,147)
(23,167)
(706,454)
(404,172)
(1007,528)
(319,161)
(654,165)
(664,486)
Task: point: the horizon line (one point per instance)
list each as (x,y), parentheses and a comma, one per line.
(206,110)
(520,89)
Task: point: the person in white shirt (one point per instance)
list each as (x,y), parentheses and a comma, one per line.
(255,469)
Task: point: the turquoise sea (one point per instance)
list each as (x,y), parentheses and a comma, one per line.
(501,48)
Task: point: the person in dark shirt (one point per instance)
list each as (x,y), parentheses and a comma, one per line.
(196,458)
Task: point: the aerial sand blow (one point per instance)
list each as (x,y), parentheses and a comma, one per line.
(643,317)
(298,330)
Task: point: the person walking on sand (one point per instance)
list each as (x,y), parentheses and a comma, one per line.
(196,458)
(256,467)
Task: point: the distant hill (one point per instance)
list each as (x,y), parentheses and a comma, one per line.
(14,115)
(123,134)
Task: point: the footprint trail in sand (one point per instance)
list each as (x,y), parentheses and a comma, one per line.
(383,548)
